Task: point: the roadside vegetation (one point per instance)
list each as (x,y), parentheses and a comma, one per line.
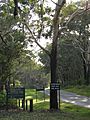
(41,110)
(81,90)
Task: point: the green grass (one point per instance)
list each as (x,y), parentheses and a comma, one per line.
(31,93)
(65,107)
(38,116)
(77,110)
(81,90)
(68,112)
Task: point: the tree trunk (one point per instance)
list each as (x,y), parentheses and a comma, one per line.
(1,86)
(53,58)
(85,71)
(88,64)
(53,93)
(88,74)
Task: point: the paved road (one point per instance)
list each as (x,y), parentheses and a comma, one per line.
(73,98)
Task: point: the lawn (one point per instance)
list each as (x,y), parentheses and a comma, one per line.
(45,115)
(41,111)
(81,90)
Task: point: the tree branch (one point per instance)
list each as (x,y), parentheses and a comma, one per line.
(77,12)
(57,3)
(3,40)
(35,40)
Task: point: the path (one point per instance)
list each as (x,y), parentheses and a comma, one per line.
(73,98)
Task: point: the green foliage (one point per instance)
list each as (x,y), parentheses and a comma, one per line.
(12,45)
(31,93)
(69,9)
(70,64)
(12,102)
(45,59)
(2,98)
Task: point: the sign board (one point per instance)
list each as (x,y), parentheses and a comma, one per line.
(40,89)
(55,86)
(18,92)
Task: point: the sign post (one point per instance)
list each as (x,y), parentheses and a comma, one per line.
(56,86)
(18,92)
(40,89)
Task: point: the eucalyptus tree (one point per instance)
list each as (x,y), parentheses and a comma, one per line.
(69,63)
(47,23)
(79,30)
(12,42)
(43,22)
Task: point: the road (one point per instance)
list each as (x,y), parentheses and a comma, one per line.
(72,98)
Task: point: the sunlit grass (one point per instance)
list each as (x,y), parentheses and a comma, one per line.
(67,107)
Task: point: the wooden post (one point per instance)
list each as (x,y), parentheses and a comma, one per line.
(36,95)
(19,102)
(26,104)
(23,104)
(31,105)
(24,100)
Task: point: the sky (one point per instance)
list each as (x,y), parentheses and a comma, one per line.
(44,42)
(68,1)
(51,4)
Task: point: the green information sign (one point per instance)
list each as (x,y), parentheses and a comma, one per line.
(17,93)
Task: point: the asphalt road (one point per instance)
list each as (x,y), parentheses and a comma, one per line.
(72,98)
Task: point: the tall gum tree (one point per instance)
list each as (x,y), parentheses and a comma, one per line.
(53,53)
(35,31)
(53,57)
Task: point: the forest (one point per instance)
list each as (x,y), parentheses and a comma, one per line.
(42,44)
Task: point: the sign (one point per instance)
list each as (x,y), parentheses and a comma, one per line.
(40,89)
(55,86)
(18,92)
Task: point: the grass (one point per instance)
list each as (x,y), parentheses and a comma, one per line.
(81,90)
(65,107)
(68,112)
(77,110)
(38,116)
(41,111)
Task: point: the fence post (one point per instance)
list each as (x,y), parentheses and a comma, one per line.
(26,104)
(31,105)
(19,102)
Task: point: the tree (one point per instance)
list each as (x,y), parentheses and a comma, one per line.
(53,54)
(54,27)
(47,23)
(69,62)
(11,45)
(79,30)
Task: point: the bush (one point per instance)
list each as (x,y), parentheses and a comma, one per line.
(2,98)
(12,103)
